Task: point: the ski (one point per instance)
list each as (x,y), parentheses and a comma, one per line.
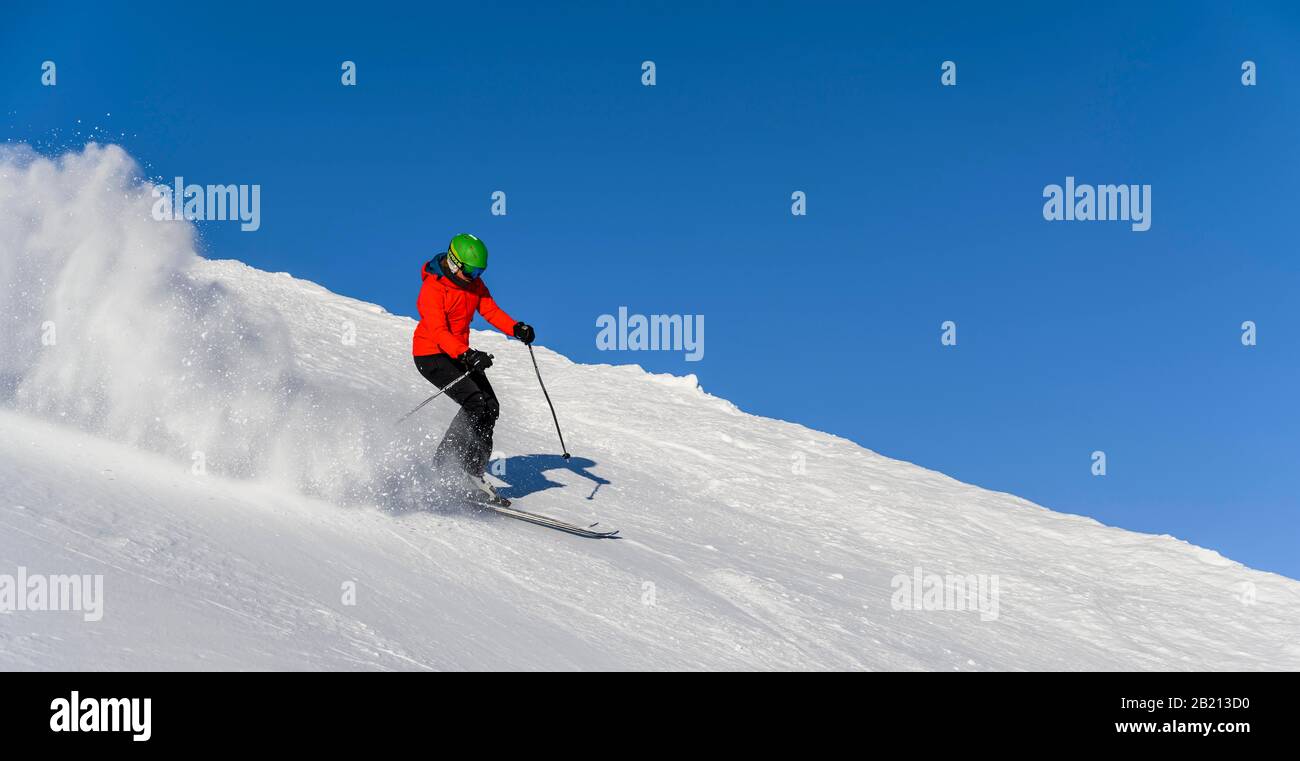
(542,520)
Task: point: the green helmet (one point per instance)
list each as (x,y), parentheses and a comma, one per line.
(469,254)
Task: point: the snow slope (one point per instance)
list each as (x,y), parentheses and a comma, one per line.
(207,437)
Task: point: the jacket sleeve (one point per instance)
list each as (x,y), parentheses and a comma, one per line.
(487,306)
(434,317)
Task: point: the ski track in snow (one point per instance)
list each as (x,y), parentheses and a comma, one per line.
(752,566)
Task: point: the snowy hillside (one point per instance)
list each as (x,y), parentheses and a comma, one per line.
(218,443)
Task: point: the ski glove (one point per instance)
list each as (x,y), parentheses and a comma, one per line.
(524,332)
(476,360)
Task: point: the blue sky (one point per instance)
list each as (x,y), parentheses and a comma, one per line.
(924,205)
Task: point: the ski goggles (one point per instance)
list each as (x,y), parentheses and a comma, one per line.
(470,271)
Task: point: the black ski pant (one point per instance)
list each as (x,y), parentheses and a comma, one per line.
(468,441)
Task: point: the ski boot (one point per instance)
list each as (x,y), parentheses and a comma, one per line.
(482,491)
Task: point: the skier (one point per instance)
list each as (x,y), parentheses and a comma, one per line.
(451,292)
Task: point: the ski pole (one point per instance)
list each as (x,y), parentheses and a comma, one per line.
(548,401)
(440,391)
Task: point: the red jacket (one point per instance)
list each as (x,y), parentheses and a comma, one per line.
(447,309)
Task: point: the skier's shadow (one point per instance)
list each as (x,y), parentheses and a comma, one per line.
(526,474)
